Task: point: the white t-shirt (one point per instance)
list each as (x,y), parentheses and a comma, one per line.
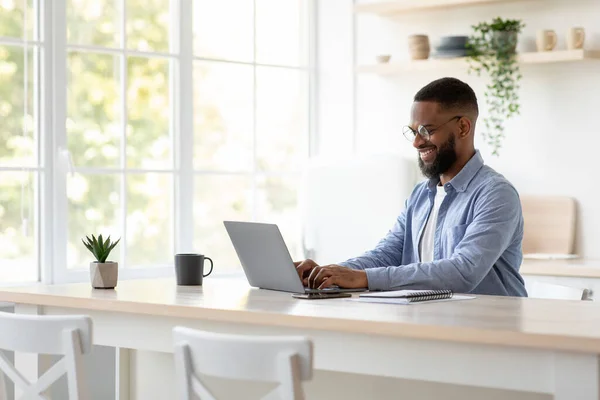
(426,244)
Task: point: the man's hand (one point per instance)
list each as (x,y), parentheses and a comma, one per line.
(323,277)
(303,268)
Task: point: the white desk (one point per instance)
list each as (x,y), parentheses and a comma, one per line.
(531,345)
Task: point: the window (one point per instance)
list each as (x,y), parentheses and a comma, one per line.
(251,114)
(119,130)
(21,163)
(174,116)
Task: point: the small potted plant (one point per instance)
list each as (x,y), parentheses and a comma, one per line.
(492,50)
(103,274)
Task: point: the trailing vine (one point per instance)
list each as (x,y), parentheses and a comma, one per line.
(492,49)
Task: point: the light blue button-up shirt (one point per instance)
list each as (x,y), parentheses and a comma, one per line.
(477,243)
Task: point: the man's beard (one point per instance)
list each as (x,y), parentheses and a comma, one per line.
(445,158)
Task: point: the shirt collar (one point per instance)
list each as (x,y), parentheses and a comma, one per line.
(461,181)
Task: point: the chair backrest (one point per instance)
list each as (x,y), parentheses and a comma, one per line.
(286,360)
(69,336)
(543,290)
(550,224)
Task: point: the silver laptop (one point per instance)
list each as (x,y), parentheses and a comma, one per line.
(266,260)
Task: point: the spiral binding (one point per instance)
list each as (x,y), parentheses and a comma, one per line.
(431,295)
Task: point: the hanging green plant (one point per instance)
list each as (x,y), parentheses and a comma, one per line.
(492,49)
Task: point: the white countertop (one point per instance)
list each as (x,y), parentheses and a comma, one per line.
(532,323)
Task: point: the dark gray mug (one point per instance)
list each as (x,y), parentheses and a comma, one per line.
(189,269)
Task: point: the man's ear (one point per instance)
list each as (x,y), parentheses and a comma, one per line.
(464,125)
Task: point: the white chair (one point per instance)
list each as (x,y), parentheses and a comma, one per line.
(69,336)
(543,290)
(284,360)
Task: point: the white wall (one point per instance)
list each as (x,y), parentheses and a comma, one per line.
(331,220)
(335,52)
(550,149)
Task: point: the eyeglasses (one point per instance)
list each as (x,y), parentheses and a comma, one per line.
(410,134)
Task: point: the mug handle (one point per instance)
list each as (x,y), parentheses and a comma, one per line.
(211,266)
(581,38)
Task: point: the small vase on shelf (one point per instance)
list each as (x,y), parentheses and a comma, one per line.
(418,47)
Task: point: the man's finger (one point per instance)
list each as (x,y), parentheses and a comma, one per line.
(329,281)
(320,276)
(312,283)
(308,261)
(312,275)
(304,267)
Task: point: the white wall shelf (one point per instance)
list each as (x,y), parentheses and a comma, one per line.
(391,9)
(395,68)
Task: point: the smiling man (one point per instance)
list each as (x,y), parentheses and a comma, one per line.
(461,229)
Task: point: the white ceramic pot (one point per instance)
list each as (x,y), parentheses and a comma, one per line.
(104,275)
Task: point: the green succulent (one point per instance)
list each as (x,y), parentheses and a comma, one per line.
(100,248)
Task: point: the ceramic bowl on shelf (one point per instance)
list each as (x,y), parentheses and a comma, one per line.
(453,42)
(442,53)
(383,58)
(452,47)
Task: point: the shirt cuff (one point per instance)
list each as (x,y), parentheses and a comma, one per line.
(378,278)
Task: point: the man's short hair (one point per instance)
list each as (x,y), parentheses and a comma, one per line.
(450,93)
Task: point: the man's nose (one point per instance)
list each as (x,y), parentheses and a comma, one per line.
(419,141)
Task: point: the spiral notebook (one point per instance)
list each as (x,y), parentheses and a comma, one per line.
(411,296)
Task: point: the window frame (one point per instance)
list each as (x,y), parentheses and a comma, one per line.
(38,42)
